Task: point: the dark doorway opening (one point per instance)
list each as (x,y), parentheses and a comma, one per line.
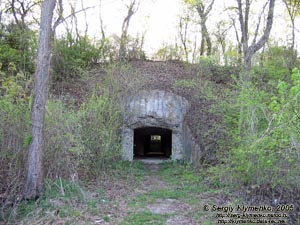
(152,142)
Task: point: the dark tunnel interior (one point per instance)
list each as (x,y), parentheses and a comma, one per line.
(152,142)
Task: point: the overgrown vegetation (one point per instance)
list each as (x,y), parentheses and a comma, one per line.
(71,201)
(249,131)
(264,159)
(81,141)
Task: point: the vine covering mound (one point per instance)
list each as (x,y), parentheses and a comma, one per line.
(201,84)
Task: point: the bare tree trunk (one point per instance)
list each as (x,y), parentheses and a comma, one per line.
(203,14)
(293,8)
(248,53)
(132,8)
(221,34)
(101,22)
(183,28)
(238,39)
(202,46)
(194,50)
(207,39)
(34,182)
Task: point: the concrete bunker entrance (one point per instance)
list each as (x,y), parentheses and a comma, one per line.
(154,125)
(152,142)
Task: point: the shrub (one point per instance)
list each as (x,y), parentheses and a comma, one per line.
(63,147)
(168,52)
(81,141)
(18,47)
(268,154)
(14,127)
(72,56)
(100,121)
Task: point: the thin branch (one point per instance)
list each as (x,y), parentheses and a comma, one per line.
(209,8)
(60,10)
(69,16)
(267,31)
(101,21)
(258,23)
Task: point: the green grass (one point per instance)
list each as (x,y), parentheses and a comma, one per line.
(184,177)
(25,209)
(182,184)
(133,171)
(144,218)
(63,189)
(61,199)
(152,196)
(176,173)
(92,206)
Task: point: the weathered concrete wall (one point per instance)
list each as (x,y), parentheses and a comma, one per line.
(192,150)
(127,143)
(154,108)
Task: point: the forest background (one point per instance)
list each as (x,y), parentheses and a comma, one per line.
(258,106)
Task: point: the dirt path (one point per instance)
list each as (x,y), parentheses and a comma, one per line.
(157,198)
(175,207)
